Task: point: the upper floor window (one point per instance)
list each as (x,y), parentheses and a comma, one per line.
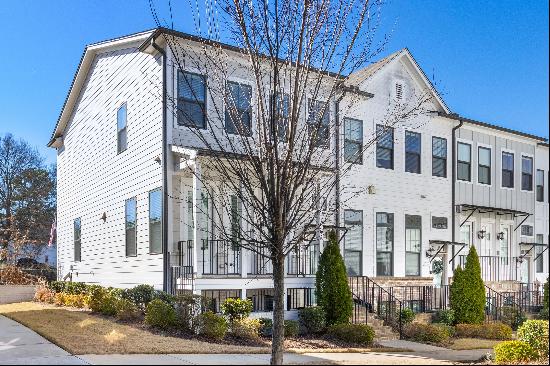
(122,138)
(130,208)
(413,148)
(238,109)
(526,173)
(464,159)
(540,185)
(155,221)
(507,169)
(484,165)
(318,122)
(353,141)
(353,242)
(439,157)
(384,147)
(77,240)
(191,100)
(281,110)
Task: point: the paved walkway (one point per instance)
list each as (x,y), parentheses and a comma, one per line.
(21,346)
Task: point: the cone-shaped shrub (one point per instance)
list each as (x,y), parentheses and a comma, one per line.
(332,289)
(468,292)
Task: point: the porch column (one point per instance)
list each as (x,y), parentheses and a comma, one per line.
(196,212)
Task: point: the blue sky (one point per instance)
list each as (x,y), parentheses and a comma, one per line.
(489,58)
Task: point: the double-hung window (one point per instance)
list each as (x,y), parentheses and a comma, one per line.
(384,244)
(526,173)
(122,137)
(77,240)
(413,244)
(384,147)
(464,162)
(540,185)
(353,242)
(507,170)
(130,227)
(238,109)
(155,221)
(191,100)
(353,141)
(484,165)
(539,256)
(281,110)
(318,122)
(413,148)
(439,157)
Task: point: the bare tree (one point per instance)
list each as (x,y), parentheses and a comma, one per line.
(268,149)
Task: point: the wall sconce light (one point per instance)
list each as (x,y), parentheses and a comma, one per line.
(481,234)
(500,236)
(157,159)
(104,217)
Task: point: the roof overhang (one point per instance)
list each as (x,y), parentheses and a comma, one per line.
(88,56)
(497,210)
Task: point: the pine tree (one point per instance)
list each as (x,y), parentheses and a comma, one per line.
(468,292)
(332,288)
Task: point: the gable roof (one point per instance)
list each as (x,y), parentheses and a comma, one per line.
(366,73)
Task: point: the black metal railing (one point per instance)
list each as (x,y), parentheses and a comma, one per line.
(215,298)
(528,297)
(422,299)
(298,298)
(220,257)
(181,280)
(184,255)
(260,264)
(262,299)
(304,260)
(501,308)
(372,299)
(495,268)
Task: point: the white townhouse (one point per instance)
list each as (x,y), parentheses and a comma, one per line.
(429,187)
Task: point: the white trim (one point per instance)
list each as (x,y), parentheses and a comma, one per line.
(471,143)
(533,170)
(253,102)
(492,158)
(513,152)
(191,70)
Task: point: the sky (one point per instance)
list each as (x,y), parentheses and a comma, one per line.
(488,58)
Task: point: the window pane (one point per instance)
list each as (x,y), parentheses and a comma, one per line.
(238,109)
(463,171)
(412,163)
(190,113)
(77,240)
(155,221)
(122,142)
(352,260)
(131,244)
(412,264)
(439,147)
(383,264)
(353,140)
(538,254)
(484,156)
(527,165)
(464,152)
(121,117)
(507,161)
(484,175)
(353,241)
(317,124)
(412,142)
(191,86)
(508,179)
(439,167)
(384,244)
(385,136)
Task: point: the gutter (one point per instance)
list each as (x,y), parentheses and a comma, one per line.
(165,256)
(453,194)
(337,147)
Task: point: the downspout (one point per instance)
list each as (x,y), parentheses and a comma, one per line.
(165,257)
(337,162)
(453,192)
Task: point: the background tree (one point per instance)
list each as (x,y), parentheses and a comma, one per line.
(331,282)
(27,199)
(468,292)
(267,151)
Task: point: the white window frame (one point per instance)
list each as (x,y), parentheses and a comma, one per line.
(533,170)
(191,70)
(252,104)
(513,152)
(491,168)
(472,163)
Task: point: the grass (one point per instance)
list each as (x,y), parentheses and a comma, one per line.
(473,343)
(80,332)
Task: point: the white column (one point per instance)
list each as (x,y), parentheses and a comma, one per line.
(196,212)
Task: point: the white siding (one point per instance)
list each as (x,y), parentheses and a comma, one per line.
(93,179)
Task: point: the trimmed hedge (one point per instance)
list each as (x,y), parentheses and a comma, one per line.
(312,319)
(513,352)
(160,314)
(212,326)
(467,295)
(427,333)
(246,328)
(535,333)
(485,331)
(361,334)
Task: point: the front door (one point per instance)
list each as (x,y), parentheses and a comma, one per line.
(485,240)
(525,266)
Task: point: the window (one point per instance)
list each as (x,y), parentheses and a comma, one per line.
(353,242)
(318,124)
(526,173)
(238,110)
(282,113)
(130,226)
(77,240)
(384,244)
(527,230)
(539,263)
(353,141)
(464,158)
(236,221)
(540,185)
(507,170)
(155,221)
(439,222)
(439,157)
(413,244)
(413,147)
(484,165)
(384,147)
(122,138)
(191,100)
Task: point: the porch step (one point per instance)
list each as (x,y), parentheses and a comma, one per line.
(381,331)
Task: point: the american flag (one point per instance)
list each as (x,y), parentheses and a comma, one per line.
(52,233)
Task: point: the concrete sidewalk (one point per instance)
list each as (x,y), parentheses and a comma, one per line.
(20,345)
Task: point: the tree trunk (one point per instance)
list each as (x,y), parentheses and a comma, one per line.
(278,337)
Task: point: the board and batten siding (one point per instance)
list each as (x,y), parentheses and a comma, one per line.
(93,179)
